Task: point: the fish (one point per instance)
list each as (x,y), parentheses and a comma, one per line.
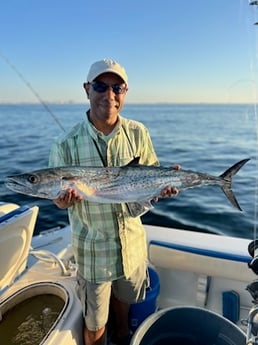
(131,183)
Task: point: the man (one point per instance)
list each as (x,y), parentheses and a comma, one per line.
(108,239)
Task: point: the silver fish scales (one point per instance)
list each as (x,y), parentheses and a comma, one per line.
(130,183)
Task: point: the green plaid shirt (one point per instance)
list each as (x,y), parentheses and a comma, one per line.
(108,242)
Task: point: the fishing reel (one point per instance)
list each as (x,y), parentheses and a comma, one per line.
(253,251)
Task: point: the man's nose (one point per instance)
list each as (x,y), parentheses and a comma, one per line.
(110,92)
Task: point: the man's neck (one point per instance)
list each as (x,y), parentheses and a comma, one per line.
(105,126)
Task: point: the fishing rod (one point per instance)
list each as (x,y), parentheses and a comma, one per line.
(252,320)
(20,75)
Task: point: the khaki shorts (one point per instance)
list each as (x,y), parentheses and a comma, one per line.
(95,298)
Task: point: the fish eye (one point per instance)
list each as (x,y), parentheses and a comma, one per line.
(33,179)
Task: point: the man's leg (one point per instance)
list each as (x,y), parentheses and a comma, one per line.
(94,337)
(95,299)
(121,313)
(125,292)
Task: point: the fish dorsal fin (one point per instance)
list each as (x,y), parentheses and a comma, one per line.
(134,162)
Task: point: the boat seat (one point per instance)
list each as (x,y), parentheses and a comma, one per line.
(201,261)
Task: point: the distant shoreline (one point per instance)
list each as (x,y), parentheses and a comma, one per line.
(132,103)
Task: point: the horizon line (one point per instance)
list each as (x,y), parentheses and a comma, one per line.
(131,103)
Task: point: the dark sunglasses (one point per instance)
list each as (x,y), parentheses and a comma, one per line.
(101,87)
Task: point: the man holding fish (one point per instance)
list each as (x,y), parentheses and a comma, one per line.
(108,239)
(105,171)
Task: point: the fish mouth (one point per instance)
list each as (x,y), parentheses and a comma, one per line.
(16,185)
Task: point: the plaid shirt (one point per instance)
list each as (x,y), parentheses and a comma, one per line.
(108,242)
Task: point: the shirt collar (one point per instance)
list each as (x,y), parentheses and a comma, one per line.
(96,134)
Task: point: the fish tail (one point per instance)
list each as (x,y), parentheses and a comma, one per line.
(227,177)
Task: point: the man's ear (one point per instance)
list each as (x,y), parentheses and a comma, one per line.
(86,87)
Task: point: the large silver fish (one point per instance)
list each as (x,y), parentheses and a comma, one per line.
(130,183)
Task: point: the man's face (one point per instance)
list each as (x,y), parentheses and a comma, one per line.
(106,94)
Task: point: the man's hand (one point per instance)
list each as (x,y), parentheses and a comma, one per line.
(169,191)
(68,198)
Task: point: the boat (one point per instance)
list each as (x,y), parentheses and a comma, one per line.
(203,287)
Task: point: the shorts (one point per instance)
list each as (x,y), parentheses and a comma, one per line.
(95,298)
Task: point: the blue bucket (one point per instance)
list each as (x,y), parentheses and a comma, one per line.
(140,311)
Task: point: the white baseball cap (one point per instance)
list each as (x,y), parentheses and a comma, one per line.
(106,66)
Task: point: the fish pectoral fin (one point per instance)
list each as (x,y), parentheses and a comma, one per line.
(84,189)
(75,182)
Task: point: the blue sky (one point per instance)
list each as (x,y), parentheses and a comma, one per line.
(173,50)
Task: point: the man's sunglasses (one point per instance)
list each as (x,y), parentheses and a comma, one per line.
(101,87)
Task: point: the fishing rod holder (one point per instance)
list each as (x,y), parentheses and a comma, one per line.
(252,288)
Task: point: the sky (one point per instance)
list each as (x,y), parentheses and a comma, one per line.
(174,51)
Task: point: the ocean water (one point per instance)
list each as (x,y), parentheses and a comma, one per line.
(208,138)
